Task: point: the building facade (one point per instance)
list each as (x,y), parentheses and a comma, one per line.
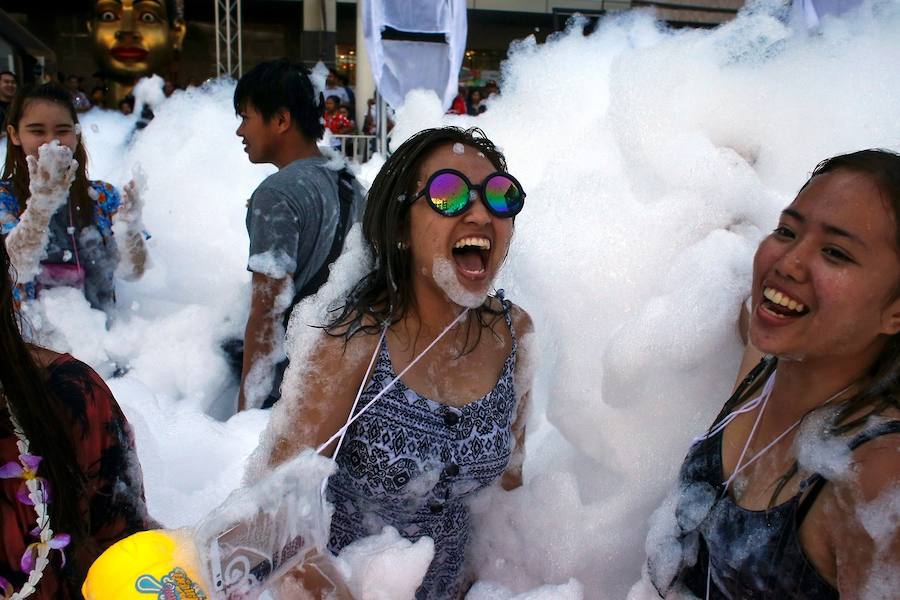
(57,31)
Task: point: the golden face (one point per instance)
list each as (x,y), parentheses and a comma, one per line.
(133,38)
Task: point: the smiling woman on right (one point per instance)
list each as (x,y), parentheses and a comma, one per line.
(793,491)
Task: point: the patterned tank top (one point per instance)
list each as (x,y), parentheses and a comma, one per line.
(412,463)
(730,552)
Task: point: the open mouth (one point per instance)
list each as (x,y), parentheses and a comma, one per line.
(472,256)
(778,304)
(128,54)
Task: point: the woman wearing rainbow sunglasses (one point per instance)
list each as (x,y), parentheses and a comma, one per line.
(418,387)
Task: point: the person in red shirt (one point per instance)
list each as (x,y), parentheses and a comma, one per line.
(335,120)
(458,107)
(70,481)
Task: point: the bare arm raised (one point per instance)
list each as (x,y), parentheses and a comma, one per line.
(128,220)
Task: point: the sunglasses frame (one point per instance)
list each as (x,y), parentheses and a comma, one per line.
(476,187)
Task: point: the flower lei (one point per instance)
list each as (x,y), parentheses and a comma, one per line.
(35,492)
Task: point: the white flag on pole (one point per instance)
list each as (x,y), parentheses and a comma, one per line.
(415,44)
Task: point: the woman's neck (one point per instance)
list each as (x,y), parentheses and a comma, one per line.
(803,385)
(430,312)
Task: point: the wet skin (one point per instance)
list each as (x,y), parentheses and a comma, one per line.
(433,235)
(834,251)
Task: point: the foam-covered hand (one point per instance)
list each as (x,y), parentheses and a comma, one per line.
(131,210)
(128,227)
(51,175)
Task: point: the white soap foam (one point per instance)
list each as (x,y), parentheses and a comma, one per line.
(632,256)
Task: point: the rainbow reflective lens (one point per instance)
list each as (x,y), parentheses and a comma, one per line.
(450,193)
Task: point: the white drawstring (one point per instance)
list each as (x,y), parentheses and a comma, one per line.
(731,417)
(362,386)
(764,401)
(340,432)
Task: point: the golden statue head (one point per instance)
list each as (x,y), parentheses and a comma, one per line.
(135,38)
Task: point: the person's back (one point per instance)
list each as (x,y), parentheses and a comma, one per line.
(296,219)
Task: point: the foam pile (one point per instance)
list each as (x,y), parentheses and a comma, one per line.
(654,161)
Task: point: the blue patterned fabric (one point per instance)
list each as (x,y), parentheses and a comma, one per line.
(105,194)
(98,254)
(412,463)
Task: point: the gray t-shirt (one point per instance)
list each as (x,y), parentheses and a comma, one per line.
(292,218)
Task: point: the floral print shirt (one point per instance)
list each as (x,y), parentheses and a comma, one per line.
(112,505)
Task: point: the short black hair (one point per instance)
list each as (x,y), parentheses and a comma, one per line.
(276,84)
(7,72)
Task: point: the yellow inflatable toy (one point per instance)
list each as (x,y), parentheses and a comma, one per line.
(150,565)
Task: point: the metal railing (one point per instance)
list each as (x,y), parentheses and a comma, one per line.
(356,147)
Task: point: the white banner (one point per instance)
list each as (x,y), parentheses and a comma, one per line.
(401,65)
(807,14)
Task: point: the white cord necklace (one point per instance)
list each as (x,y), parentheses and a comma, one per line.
(762,400)
(343,430)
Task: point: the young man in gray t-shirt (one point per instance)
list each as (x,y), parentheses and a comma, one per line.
(296,218)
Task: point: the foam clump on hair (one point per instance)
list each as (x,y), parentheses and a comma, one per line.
(149,92)
(318,77)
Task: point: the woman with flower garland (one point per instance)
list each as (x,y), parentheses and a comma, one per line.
(70,482)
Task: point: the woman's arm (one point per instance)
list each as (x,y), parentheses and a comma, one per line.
(129,221)
(309,415)
(864,537)
(522,381)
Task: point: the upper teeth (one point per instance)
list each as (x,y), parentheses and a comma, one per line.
(782,299)
(483,243)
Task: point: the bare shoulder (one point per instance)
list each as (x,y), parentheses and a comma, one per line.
(876,468)
(521,320)
(338,355)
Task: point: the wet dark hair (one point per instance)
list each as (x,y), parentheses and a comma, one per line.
(26,395)
(385,294)
(16,169)
(276,84)
(879,389)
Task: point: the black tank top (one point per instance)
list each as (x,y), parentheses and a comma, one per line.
(745,554)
